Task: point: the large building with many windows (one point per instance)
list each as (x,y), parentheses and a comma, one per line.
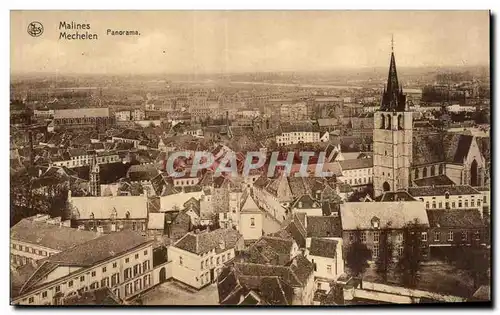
(120,261)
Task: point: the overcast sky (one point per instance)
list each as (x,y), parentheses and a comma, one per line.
(231,41)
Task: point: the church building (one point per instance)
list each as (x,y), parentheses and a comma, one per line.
(402,159)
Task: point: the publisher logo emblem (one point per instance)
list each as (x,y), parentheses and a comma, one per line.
(35,29)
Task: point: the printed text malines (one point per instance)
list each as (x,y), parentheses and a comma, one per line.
(75,31)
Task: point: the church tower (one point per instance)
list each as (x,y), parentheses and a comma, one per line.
(392,137)
(95,186)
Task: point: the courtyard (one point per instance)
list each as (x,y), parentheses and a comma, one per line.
(175,293)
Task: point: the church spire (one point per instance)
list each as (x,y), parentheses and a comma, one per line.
(393,98)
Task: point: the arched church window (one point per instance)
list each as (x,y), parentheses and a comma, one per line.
(400,122)
(424,173)
(389,122)
(382,122)
(433,170)
(416,173)
(441,169)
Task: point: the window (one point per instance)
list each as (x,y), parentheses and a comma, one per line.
(376,237)
(127,273)
(460,203)
(145,265)
(92,273)
(424,173)
(450,236)
(136,256)
(70,283)
(484,199)
(94,285)
(202,264)
(447,195)
(44,294)
(447,205)
(57,288)
(115,264)
(103,269)
(453,205)
(375,251)
(427,204)
(424,236)
(440,205)
(218,260)
(105,282)
(441,169)
(180,260)
(363,237)
(31,300)
(115,279)
(399,237)
(137,270)
(82,278)
(464,235)
(127,260)
(145,253)
(477,235)
(434,205)
(133,226)
(14,246)
(479,203)
(472,203)
(128,289)
(433,170)
(437,236)
(252,222)
(400,251)
(329,268)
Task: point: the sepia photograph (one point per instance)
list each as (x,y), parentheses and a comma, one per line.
(250,158)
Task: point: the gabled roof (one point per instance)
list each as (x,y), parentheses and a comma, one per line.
(83,255)
(358,215)
(455,218)
(442,190)
(204,242)
(49,235)
(323,247)
(356,164)
(321,226)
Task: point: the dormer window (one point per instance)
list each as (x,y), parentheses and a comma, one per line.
(127,215)
(92,216)
(375,223)
(222,244)
(447,195)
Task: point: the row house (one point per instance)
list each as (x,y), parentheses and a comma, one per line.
(454,227)
(107,214)
(448,197)
(40,236)
(197,258)
(358,173)
(120,261)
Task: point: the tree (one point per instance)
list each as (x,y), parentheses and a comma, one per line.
(385,255)
(409,264)
(471,258)
(357,255)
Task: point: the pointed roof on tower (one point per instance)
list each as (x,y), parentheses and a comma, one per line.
(393,98)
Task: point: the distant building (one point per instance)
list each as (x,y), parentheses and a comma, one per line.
(82,117)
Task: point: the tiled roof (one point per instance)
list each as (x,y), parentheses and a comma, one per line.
(81,112)
(455,218)
(395,196)
(323,247)
(394,214)
(206,241)
(438,180)
(442,190)
(49,235)
(320,226)
(82,255)
(356,164)
(434,148)
(142,172)
(104,207)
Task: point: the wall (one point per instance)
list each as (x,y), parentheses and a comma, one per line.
(251,232)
